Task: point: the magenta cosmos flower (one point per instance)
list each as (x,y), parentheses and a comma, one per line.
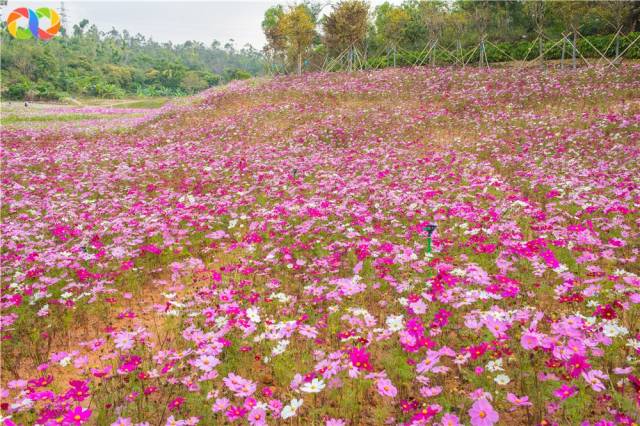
(565,391)
(77,416)
(483,414)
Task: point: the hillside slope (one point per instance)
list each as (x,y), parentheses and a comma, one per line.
(261,254)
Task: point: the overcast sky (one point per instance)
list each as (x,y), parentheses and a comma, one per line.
(175,21)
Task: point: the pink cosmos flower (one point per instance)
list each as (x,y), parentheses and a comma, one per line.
(518,401)
(257,417)
(483,414)
(221,404)
(386,388)
(17,384)
(206,362)
(530,340)
(240,386)
(429,392)
(335,422)
(450,420)
(594,378)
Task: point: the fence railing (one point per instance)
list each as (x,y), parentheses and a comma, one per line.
(571,50)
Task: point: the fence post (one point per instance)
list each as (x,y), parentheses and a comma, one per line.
(351,58)
(618,42)
(573,50)
(433,53)
(564,44)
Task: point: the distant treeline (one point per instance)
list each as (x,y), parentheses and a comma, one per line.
(88,62)
(307,36)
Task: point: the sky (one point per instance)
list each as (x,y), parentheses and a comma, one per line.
(175,21)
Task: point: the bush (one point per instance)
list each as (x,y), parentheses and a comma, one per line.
(108,90)
(18,90)
(47,91)
(235,74)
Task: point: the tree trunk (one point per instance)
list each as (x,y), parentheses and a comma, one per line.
(564,44)
(617,48)
(540,51)
(299,63)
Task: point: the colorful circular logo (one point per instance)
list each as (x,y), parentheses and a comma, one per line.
(33,18)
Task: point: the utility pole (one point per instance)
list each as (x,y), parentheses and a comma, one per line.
(63,17)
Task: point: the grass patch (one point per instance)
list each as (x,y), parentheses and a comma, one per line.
(144,103)
(10,119)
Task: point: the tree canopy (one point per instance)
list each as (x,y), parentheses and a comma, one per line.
(414,24)
(87,62)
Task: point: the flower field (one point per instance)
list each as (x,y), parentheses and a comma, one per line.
(259,256)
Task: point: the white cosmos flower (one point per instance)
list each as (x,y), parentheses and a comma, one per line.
(287,412)
(496,365)
(315,386)
(502,379)
(252,314)
(290,410)
(280,347)
(633,343)
(395,322)
(612,329)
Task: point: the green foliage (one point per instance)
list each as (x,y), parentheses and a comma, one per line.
(298,27)
(87,62)
(235,74)
(411,25)
(504,52)
(346,25)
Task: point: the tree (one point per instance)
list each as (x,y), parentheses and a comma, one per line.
(346,26)
(193,82)
(433,16)
(390,24)
(92,62)
(298,28)
(272,28)
(571,14)
(536,10)
(616,13)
